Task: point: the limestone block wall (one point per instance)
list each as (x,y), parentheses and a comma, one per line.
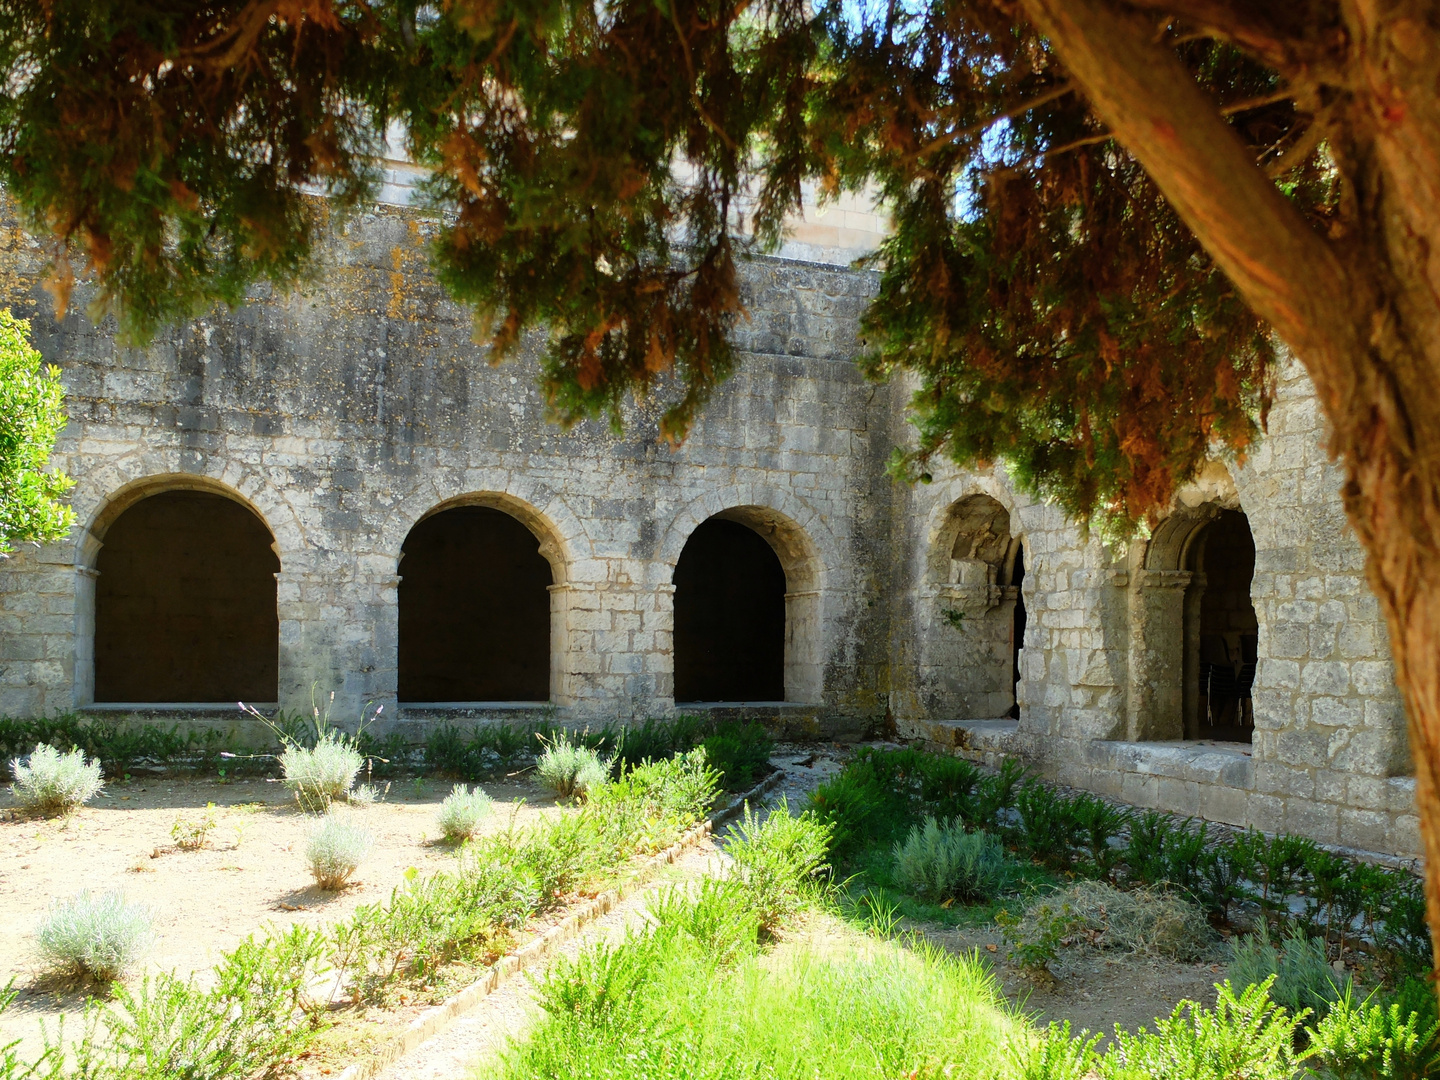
(344,414)
(1104,663)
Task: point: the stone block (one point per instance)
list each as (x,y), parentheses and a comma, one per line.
(1364,829)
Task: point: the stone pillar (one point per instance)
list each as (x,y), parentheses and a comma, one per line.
(804,664)
(560,690)
(1155,705)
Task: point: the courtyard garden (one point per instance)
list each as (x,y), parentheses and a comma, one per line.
(889,912)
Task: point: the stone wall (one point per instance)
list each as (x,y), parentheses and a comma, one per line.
(344,414)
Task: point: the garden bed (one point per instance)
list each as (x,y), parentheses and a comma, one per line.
(250,875)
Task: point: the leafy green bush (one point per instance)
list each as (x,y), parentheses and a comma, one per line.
(943,862)
(1365,1041)
(1049,829)
(853,804)
(1246,1036)
(1298,974)
(738,752)
(1097,823)
(335,848)
(50,782)
(462,811)
(92,937)
(569,769)
(781,860)
(32,414)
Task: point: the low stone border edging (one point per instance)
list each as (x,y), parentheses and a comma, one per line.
(437,1018)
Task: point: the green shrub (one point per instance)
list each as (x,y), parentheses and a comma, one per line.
(50,782)
(92,937)
(852,804)
(321,774)
(334,850)
(1245,1037)
(1365,1041)
(1097,823)
(738,752)
(1049,830)
(1302,976)
(781,860)
(569,769)
(462,811)
(943,862)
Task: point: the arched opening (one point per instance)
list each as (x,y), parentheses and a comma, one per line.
(474,609)
(1221,631)
(185,603)
(730,608)
(972,623)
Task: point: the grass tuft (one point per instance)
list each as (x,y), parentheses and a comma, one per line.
(570,769)
(941,861)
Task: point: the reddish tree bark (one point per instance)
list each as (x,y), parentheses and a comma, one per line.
(1361,309)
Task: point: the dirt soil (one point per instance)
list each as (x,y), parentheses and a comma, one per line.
(252,873)
(1093,989)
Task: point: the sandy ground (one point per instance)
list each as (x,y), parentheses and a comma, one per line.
(253,872)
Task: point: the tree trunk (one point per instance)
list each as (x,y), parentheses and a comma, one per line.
(1361,310)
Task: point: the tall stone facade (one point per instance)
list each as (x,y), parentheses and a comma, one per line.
(345,413)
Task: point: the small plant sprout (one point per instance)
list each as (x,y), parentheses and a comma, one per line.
(335,849)
(461,813)
(569,769)
(49,782)
(192,834)
(95,938)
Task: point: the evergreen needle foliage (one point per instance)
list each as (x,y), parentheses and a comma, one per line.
(50,782)
(92,937)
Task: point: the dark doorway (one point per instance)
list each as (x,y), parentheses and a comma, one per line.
(474,610)
(1227,630)
(185,603)
(729,616)
(1017,630)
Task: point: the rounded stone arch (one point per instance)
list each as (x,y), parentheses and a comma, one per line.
(122,492)
(256,632)
(557,533)
(970,612)
(804,548)
(563,540)
(969,536)
(1195,638)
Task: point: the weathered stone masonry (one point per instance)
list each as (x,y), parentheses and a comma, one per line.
(345,413)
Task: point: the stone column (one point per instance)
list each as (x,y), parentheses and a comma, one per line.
(1155,705)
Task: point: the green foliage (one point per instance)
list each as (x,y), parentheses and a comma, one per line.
(944,862)
(32,414)
(335,848)
(1097,823)
(49,782)
(738,752)
(1365,1041)
(570,769)
(781,860)
(1049,830)
(1034,937)
(1298,973)
(1245,1036)
(90,937)
(117,746)
(462,811)
(192,834)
